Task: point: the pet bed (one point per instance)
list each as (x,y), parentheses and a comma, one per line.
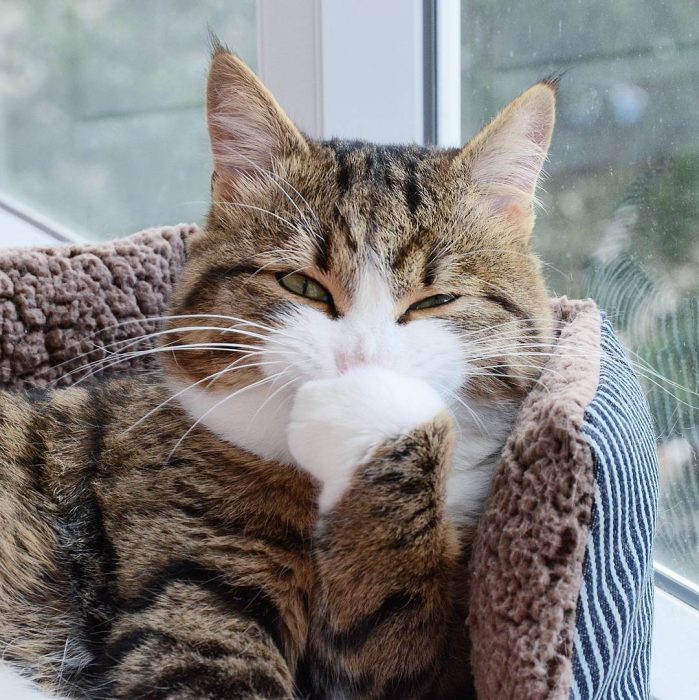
(561,579)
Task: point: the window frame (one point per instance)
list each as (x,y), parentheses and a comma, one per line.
(298,43)
(24,226)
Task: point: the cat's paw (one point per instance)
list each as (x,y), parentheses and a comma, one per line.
(336,424)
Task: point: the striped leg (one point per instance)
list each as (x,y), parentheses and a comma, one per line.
(194,634)
(388,611)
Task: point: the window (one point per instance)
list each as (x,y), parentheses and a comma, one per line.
(101,108)
(622,199)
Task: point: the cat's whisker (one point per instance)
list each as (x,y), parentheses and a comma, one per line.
(508,362)
(211,329)
(113,354)
(110,362)
(476,418)
(534,350)
(491,376)
(658,381)
(210,379)
(285,399)
(293,226)
(139,339)
(192,329)
(510,345)
(242,205)
(510,365)
(279,181)
(511,326)
(515,324)
(129,341)
(270,397)
(498,352)
(174,317)
(228,397)
(643,368)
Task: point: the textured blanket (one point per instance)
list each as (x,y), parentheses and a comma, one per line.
(59,303)
(545,623)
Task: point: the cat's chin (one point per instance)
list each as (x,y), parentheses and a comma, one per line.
(254,420)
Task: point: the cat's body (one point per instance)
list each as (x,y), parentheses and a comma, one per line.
(156,568)
(285,509)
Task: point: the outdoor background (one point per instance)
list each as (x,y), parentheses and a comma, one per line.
(102,130)
(620,219)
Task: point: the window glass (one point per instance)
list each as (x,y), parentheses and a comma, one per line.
(101,107)
(621,203)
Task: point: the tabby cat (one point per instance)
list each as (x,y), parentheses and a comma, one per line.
(285,509)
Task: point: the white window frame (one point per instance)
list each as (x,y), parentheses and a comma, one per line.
(20,225)
(674,669)
(346,69)
(335,66)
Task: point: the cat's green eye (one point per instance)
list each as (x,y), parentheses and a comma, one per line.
(431,302)
(297,283)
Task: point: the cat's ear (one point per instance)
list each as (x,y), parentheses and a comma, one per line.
(506,158)
(248,129)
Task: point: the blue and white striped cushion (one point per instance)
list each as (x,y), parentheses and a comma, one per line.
(615,610)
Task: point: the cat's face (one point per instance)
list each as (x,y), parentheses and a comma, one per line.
(318,257)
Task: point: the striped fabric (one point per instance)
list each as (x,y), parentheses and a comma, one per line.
(611,656)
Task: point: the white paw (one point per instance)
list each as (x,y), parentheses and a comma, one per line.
(337,423)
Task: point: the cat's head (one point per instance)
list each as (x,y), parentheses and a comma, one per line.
(320,256)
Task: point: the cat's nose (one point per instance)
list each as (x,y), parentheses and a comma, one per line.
(345,360)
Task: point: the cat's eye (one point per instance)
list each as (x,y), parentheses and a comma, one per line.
(296,283)
(431,302)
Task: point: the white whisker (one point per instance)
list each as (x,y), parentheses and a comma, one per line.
(210,378)
(219,403)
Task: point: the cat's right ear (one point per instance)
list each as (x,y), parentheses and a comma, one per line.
(248,129)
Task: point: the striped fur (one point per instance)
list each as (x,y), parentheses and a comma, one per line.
(161,548)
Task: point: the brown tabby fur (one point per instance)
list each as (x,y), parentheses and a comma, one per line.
(128,570)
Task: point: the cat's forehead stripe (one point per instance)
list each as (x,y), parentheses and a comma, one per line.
(379,166)
(380,194)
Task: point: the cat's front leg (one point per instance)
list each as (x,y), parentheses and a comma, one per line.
(388,615)
(192,646)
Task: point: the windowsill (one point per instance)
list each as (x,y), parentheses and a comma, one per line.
(674,668)
(20,227)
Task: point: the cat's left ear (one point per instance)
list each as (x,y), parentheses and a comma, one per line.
(506,158)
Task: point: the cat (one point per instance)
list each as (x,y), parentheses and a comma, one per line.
(285,509)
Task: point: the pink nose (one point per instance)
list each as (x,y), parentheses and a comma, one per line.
(346,360)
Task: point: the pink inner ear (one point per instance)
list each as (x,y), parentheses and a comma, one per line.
(539,131)
(513,210)
(524,172)
(509,166)
(242,145)
(512,155)
(248,130)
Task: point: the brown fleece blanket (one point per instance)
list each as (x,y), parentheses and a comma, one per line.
(58,304)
